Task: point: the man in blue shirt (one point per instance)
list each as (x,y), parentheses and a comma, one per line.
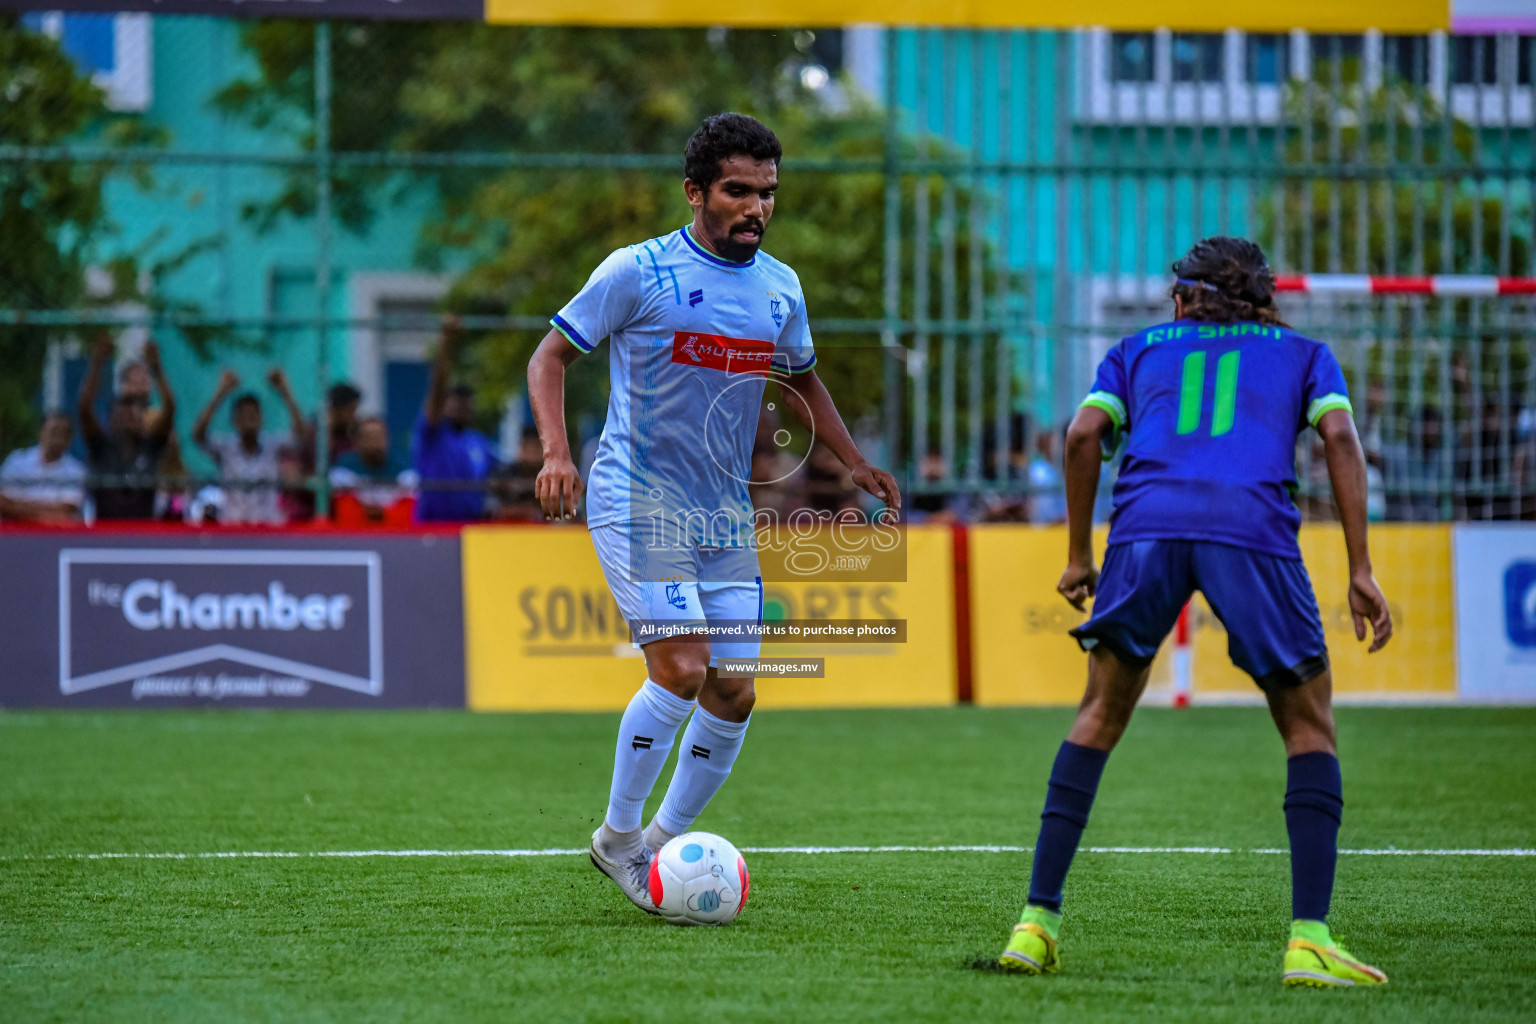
(1209,407)
(447,452)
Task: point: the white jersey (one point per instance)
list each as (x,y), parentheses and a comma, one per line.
(694,339)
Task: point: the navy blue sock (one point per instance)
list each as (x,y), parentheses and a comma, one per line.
(1314,806)
(1068,799)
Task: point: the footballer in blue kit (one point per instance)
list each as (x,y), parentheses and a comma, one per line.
(1207,408)
(698,321)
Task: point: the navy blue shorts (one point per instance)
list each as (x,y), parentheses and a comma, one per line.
(1274,631)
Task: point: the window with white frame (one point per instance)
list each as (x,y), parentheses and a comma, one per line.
(378,295)
(1236,77)
(116,50)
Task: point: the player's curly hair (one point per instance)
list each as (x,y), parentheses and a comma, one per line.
(1226,280)
(723,136)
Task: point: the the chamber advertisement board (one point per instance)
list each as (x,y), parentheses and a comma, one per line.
(145,620)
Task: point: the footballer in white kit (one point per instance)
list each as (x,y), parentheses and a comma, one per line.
(698,320)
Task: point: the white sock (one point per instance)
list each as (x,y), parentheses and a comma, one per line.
(704,761)
(646,733)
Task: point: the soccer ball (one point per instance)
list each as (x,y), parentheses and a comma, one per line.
(699,878)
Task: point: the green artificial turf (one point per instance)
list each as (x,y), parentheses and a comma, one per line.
(887,937)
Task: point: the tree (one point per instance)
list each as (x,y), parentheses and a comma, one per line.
(1376,129)
(522,241)
(55,225)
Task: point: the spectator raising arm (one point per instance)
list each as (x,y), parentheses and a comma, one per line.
(101,354)
(161,429)
(228,381)
(279,381)
(442,370)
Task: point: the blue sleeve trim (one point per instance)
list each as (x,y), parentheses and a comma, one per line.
(804,366)
(572,335)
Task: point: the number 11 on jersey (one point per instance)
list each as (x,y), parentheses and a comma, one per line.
(1192,394)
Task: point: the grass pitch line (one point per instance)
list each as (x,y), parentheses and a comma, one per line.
(811,850)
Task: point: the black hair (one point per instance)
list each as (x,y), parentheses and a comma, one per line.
(1225,280)
(464,391)
(246,399)
(342,394)
(723,136)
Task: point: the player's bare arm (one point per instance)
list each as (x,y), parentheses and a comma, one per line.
(1081,461)
(558,486)
(1346,471)
(812,403)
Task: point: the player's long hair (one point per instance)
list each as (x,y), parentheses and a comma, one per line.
(1226,280)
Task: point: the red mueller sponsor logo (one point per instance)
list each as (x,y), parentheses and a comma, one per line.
(716,351)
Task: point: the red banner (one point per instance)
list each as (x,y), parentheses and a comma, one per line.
(717,352)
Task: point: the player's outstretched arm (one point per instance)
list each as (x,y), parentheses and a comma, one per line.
(558,486)
(1081,463)
(813,404)
(1346,471)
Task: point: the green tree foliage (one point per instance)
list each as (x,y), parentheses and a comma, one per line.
(1398,220)
(51,214)
(521,241)
(55,224)
(1451,217)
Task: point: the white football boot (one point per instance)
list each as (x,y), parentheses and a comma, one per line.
(631,873)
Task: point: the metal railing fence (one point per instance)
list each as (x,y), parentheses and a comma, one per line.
(1030,189)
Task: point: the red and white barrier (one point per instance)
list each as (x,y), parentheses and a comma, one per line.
(1438,284)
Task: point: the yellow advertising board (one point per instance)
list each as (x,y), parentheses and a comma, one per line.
(543,633)
(1316,15)
(1022,654)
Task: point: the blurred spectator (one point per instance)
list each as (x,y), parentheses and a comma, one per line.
(513,483)
(128,452)
(341,401)
(1417,470)
(133,382)
(45,483)
(300,461)
(445,447)
(769,486)
(1047,487)
(375,477)
(1525,461)
(249,458)
(936,505)
(1484,485)
(828,483)
(1372,429)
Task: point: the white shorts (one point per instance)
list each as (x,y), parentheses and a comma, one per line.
(682,585)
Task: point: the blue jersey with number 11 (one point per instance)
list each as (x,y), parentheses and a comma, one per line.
(1211,413)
